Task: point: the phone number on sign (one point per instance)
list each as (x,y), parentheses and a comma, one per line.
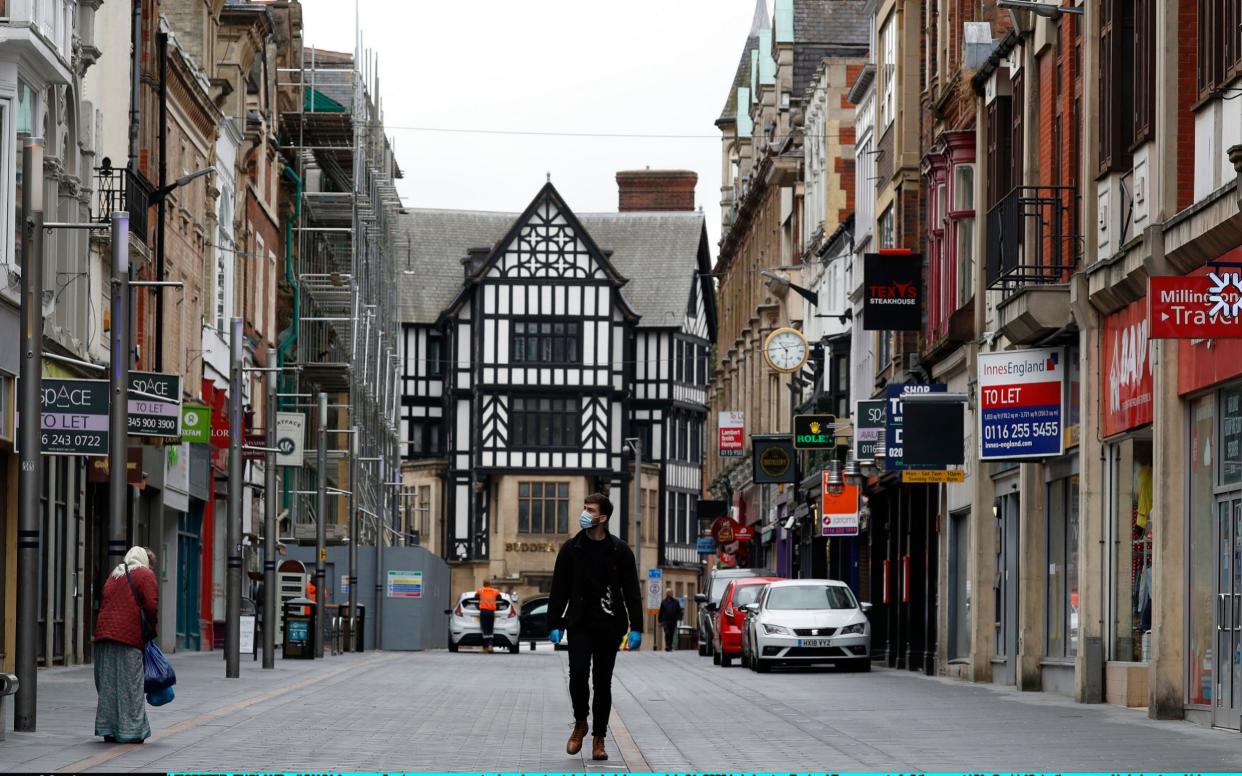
(1021,431)
(145,423)
(72,441)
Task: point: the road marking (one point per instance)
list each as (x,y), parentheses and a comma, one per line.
(117,750)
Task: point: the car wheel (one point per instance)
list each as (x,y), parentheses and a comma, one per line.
(762,666)
(514,648)
(861,665)
(715,658)
(702,649)
(726,661)
(452,644)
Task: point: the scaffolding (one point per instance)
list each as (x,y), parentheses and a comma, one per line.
(346,243)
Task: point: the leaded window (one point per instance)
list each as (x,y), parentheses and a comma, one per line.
(543,507)
(545,422)
(547,342)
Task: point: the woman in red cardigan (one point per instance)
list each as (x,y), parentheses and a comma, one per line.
(121,715)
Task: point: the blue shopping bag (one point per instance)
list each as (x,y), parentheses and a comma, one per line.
(161,697)
(159,672)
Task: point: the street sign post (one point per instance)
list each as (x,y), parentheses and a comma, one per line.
(151,417)
(655,589)
(868,423)
(1021,403)
(290,438)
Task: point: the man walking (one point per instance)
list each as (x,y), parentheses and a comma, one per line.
(595,594)
(487,596)
(670,615)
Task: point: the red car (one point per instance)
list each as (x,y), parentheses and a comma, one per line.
(731,616)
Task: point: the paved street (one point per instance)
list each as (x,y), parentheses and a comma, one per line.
(473,712)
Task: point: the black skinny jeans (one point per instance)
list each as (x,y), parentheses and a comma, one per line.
(487,624)
(597,648)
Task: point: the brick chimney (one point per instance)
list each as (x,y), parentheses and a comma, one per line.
(656,190)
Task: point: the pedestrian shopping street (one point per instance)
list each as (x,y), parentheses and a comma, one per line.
(378,711)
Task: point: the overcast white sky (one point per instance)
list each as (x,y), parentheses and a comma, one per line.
(635,66)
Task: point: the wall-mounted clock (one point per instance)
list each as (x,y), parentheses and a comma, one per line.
(785,350)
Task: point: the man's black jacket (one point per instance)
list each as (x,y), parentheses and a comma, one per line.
(569,582)
(670,610)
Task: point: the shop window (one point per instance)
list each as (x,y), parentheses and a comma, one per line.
(543,507)
(1133,491)
(1201,628)
(1062,587)
(1231,437)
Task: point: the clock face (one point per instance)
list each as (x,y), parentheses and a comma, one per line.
(786,350)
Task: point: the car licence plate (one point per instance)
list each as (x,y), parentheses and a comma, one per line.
(814,642)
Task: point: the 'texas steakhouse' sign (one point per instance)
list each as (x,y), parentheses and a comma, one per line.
(1201,306)
(892,285)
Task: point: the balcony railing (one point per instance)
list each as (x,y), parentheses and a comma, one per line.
(1033,237)
(118,189)
(53,19)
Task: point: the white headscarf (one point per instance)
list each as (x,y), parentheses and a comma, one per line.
(137,556)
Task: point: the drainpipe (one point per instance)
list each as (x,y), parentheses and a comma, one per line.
(289,337)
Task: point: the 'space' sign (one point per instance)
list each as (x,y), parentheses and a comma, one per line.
(74,417)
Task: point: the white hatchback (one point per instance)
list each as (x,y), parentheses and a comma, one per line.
(805,621)
(465,630)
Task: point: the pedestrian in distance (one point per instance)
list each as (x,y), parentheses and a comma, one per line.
(487,596)
(670,615)
(594,594)
(131,588)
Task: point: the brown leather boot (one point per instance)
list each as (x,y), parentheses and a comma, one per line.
(575,738)
(598,752)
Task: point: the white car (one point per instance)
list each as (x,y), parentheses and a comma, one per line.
(806,621)
(465,630)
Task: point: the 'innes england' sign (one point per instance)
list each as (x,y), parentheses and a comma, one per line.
(1021,403)
(1205,306)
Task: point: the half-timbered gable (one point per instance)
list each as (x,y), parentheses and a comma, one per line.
(535,345)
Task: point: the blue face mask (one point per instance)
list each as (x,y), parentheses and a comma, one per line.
(585,520)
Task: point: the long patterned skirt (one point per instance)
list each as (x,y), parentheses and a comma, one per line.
(119,676)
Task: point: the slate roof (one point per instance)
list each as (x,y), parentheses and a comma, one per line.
(824,28)
(657,252)
(760,21)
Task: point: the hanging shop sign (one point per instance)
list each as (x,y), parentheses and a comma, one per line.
(732,441)
(195,424)
(706,545)
(1021,404)
(1204,305)
(177,477)
(892,291)
(744,534)
(814,432)
(290,438)
(1127,370)
(150,416)
(894,421)
(934,431)
(74,417)
(868,423)
(774,460)
(724,530)
(838,515)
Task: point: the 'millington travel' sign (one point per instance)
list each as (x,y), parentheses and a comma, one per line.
(1205,306)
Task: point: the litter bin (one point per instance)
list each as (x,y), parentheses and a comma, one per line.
(299,640)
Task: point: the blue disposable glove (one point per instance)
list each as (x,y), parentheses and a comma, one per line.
(555,634)
(636,639)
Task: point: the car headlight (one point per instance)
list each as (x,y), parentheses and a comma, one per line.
(777,630)
(857,627)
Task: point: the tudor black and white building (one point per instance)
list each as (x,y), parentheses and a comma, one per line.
(535,345)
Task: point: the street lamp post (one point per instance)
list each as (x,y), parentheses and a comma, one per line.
(31,475)
(269,520)
(353,536)
(321,517)
(232,614)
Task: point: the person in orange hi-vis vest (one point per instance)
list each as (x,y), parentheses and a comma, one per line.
(487,596)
